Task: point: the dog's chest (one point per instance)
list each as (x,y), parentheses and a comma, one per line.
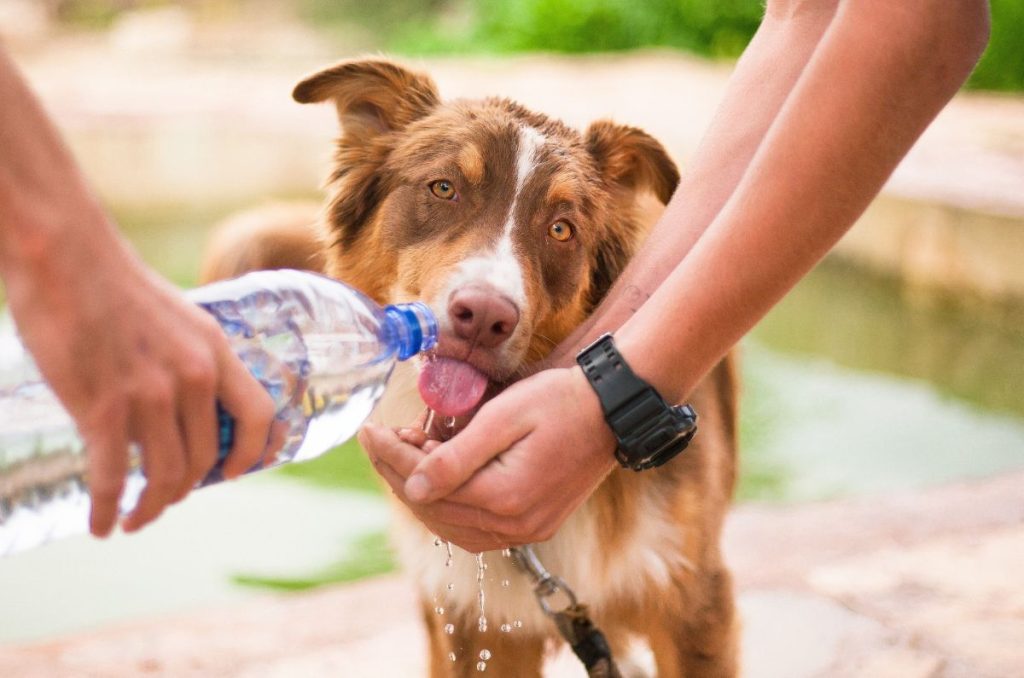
(644,559)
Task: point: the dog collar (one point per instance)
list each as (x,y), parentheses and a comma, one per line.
(649,432)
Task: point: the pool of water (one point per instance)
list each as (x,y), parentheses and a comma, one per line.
(851,386)
(854,384)
(199,553)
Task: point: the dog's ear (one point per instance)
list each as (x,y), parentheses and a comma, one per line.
(372,96)
(630,161)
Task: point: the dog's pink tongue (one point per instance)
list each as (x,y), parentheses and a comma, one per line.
(451,387)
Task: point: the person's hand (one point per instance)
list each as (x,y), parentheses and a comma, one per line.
(528,458)
(133,361)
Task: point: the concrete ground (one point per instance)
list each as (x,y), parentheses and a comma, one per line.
(923,585)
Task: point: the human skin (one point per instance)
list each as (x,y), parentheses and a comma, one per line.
(823,105)
(128,356)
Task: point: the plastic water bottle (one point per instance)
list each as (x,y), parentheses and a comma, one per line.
(323,351)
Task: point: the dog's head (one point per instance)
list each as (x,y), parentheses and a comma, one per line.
(509,224)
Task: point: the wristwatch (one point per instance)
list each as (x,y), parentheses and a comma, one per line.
(649,432)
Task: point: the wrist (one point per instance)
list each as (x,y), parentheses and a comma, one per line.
(644,359)
(52,256)
(648,431)
(590,409)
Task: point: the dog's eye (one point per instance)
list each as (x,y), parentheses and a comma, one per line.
(443,189)
(561,231)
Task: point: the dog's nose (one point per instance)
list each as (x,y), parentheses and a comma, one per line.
(482,316)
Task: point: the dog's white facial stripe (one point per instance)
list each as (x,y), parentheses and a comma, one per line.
(500,269)
(530,141)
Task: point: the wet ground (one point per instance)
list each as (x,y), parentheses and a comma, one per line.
(908,585)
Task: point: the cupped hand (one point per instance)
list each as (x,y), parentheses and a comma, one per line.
(133,361)
(525,462)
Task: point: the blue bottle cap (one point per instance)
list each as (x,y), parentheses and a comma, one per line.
(414,328)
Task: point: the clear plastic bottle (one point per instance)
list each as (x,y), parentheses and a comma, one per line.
(323,351)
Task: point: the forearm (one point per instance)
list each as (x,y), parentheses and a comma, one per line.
(882,72)
(758,86)
(40,186)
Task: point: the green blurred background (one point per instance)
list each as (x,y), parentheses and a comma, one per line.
(713,28)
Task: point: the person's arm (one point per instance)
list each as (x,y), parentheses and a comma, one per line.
(764,76)
(128,356)
(879,75)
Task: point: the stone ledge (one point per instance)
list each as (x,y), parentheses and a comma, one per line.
(908,585)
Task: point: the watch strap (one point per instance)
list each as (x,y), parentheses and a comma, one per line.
(649,432)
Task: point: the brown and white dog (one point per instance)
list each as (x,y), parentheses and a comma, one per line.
(512,227)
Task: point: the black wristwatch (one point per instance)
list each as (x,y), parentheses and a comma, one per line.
(648,430)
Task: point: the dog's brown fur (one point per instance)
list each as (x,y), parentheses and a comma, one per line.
(382,234)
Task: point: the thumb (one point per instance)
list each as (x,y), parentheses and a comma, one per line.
(493,430)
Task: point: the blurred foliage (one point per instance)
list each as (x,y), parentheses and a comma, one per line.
(346,466)
(718,29)
(386,19)
(95,14)
(1002,65)
(370,555)
(715,28)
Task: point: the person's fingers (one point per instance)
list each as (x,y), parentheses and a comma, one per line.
(413,436)
(163,453)
(394,479)
(393,459)
(107,465)
(198,421)
(278,435)
(492,431)
(251,407)
(391,447)
(467,530)
(388,446)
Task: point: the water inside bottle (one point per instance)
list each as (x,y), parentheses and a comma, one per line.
(323,386)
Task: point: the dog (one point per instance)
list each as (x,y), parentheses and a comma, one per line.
(512,226)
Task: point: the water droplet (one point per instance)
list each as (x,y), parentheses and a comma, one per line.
(451,586)
(481,666)
(518,623)
(437,541)
(505,628)
(449,629)
(485,654)
(506,552)
(505,583)
(451,656)
(439,609)
(448,549)
(449,422)
(480,567)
